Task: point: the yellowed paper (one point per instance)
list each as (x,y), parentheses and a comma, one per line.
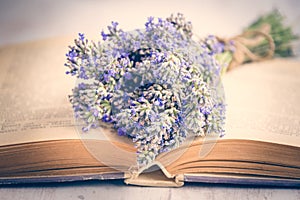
(263,98)
(33,92)
(263,102)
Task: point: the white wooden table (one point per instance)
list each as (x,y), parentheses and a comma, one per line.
(30,20)
(117,190)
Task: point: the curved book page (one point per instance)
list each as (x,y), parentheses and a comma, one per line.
(34,93)
(263,102)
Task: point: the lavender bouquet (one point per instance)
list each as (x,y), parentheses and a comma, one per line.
(156,85)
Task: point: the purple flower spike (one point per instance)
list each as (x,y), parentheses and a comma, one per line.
(81,36)
(104,36)
(114,24)
(121,131)
(106,118)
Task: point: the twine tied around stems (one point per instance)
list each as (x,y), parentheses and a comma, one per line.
(243,43)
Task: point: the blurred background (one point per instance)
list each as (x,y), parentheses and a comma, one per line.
(27,20)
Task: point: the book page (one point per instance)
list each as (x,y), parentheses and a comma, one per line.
(263,98)
(263,102)
(34,92)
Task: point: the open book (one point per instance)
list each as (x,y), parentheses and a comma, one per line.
(41,142)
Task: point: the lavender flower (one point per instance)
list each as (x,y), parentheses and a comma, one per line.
(155,85)
(81,36)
